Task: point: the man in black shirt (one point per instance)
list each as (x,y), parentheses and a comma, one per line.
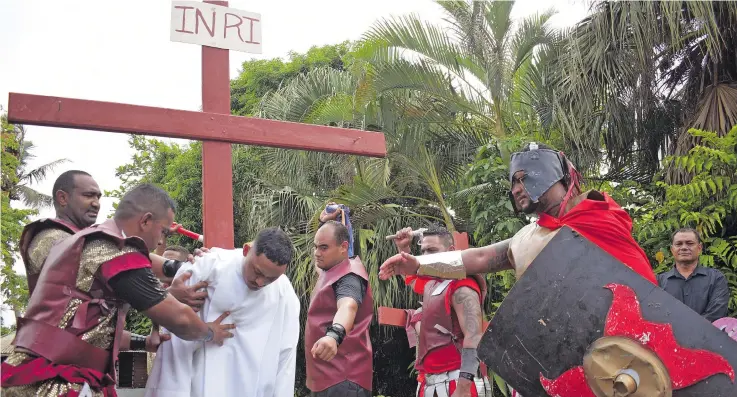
(703,289)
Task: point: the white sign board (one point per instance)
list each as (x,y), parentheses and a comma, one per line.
(211,25)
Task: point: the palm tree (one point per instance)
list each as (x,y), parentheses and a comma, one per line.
(641,74)
(405,188)
(473,67)
(19,186)
(382,193)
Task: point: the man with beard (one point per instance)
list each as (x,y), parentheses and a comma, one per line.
(545,183)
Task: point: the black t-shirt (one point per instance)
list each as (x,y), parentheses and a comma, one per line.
(352,286)
(139,287)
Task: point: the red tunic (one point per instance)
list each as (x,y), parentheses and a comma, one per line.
(446,358)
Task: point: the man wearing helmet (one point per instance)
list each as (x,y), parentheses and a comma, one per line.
(544,182)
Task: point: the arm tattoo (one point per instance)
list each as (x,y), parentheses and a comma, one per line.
(498,256)
(468,309)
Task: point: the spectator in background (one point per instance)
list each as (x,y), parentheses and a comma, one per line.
(703,289)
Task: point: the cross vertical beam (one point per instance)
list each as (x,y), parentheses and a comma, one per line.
(217,159)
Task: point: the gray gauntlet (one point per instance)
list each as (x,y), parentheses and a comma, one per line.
(469,361)
(447,265)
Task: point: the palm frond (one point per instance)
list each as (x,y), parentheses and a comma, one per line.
(38,174)
(33,198)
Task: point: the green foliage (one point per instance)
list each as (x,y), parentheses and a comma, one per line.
(17,177)
(258,77)
(475,68)
(708,202)
(637,85)
(14,286)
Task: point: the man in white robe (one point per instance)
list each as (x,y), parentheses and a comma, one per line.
(259,361)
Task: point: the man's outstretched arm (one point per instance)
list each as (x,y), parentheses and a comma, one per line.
(450,265)
(489,259)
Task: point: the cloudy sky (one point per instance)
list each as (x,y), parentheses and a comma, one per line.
(120,52)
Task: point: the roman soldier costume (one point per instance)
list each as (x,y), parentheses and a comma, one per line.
(440,338)
(580,323)
(68,339)
(354,359)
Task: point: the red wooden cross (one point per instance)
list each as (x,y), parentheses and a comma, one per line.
(214,126)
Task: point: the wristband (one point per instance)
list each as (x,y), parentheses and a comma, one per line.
(466,375)
(138,342)
(469,360)
(337,332)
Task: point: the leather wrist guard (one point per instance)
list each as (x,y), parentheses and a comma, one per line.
(447,265)
(138,342)
(337,332)
(170,267)
(469,361)
(467,376)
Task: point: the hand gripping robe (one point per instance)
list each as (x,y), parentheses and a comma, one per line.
(69,337)
(259,361)
(440,339)
(354,360)
(35,243)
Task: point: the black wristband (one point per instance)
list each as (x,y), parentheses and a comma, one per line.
(138,342)
(337,332)
(170,267)
(466,375)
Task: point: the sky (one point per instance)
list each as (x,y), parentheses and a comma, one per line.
(121,52)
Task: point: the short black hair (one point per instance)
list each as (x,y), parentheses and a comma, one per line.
(686,230)
(275,244)
(65,182)
(340,232)
(179,250)
(145,198)
(526,148)
(441,232)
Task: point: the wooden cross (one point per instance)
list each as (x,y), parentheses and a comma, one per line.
(212,26)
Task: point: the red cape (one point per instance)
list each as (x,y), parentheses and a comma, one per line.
(607,225)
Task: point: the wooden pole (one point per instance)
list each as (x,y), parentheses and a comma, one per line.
(217,159)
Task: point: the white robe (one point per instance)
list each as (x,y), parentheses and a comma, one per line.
(259,361)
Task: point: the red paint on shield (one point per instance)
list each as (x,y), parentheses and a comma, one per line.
(571,383)
(685,366)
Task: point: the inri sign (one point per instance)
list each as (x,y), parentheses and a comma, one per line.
(210,25)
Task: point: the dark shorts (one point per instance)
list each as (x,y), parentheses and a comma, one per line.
(345,388)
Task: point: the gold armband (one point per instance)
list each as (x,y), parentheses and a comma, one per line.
(447,265)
